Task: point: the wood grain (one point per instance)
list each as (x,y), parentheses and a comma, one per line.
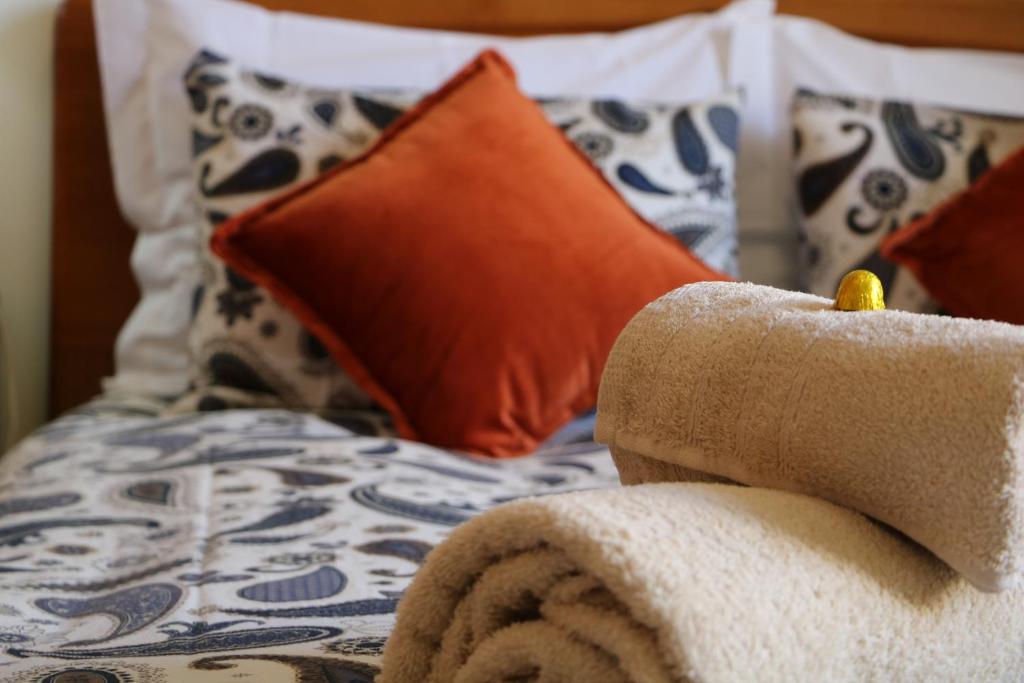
(988,24)
(93,290)
(981,24)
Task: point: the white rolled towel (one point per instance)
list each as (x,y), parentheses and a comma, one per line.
(916,420)
(694,582)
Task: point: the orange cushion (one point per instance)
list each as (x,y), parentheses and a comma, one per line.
(967,252)
(471,271)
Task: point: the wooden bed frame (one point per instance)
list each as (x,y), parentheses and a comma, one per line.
(92,286)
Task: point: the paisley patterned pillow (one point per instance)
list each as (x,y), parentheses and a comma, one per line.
(865,168)
(255,135)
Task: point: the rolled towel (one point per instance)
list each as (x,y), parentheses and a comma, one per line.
(694,582)
(913,419)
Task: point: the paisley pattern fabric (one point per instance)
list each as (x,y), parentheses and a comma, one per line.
(260,544)
(865,168)
(255,135)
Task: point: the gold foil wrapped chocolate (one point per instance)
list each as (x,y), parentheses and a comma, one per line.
(860,290)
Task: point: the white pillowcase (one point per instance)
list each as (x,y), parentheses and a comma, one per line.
(144,48)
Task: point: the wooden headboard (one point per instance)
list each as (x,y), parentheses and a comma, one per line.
(92,286)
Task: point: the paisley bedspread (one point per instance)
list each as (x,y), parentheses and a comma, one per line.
(253,545)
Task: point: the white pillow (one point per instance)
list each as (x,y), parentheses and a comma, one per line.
(804,53)
(144,48)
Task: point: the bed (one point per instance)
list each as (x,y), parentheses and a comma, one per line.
(267,544)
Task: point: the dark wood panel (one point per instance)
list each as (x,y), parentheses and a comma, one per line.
(982,24)
(502,16)
(988,24)
(92,287)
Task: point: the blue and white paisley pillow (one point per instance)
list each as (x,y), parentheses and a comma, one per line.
(864,168)
(255,136)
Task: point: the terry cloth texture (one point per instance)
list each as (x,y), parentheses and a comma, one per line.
(913,419)
(694,582)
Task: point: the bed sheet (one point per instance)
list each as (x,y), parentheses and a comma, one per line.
(260,545)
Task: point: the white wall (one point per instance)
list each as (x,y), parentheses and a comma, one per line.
(26,65)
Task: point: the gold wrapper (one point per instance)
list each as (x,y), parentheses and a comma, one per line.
(860,290)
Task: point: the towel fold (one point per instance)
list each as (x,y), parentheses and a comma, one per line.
(913,419)
(694,582)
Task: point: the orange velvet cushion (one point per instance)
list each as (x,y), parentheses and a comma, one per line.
(471,271)
(967,252)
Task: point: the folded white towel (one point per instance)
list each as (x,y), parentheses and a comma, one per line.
(696,582)
(913,419)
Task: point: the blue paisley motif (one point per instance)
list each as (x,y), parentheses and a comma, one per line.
(83,674)
(131,608)
(819,181)
(19,533)
(304,478)
(407,549)
(191,644)
(323,583)
(915,149)
(212,576)
(385,448)
(213,456)
(635,178)
(308,669)
(726,124)
(286,517)
(438,513)
(225,368)
(356,608)
(326,111)
(46,460)
(446,471)
(201,142)
(381,115)
(154,492)
(14,506)
(166,443)
(978,162)
(568,463)
(620,116)
(690,147)
(265,171)
(266,540)
(108,583)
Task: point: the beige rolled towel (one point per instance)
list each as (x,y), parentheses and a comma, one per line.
(913,419)
(694,582)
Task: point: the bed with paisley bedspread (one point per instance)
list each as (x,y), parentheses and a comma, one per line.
(262,545)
